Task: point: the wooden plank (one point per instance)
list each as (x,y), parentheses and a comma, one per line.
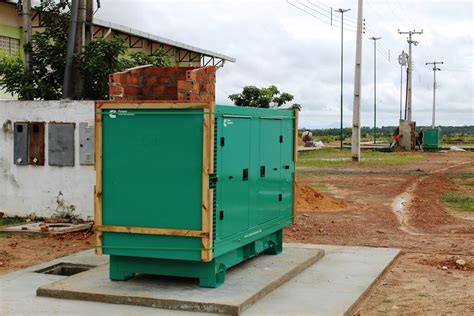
(151,231)
(207,169)
(295,144)
(98,181)
(295,159)
(132,105)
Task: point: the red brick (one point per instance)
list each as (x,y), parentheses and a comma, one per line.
(115,89)
(172,91)
(158,90)
(132,80)
(131,91)
(156,71)
(148,81)
(163,79)
(185,85)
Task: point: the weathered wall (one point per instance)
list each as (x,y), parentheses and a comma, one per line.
(26,189)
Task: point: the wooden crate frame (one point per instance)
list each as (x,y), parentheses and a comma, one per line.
(206,232)
(295,159)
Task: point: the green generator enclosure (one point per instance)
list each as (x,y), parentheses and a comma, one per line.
(432,139)
(191,189)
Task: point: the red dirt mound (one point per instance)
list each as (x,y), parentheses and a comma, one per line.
(308,199)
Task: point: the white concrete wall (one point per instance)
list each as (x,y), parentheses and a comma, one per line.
(34,189)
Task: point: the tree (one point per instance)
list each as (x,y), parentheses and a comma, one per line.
(44,79)
(252,96)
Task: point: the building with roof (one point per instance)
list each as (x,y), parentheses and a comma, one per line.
(183,54)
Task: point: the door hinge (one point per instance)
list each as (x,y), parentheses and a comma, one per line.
(262,171)
(221,215)
(280,197)
(281,138)
(222,141)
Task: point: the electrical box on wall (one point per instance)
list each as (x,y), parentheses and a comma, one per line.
(20,143)
(193,208)
(86,144)
(61,144)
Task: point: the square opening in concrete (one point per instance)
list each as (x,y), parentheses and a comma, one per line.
(66,269)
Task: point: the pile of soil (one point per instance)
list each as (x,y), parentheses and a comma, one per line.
(308,199)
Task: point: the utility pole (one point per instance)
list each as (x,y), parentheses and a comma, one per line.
(342,11)
(89,21)
(410,68)
(402,60)
(26,16)
(435,69)
(357,87)
(375,39)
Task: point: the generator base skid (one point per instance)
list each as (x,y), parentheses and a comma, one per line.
(210,274)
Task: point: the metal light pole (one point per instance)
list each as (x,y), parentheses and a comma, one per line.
(402,60)
(342,11)
(375,39)
(435,69)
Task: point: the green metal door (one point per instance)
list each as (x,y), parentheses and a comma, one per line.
(269,196)
(287,165)
(152,179)
(234,207)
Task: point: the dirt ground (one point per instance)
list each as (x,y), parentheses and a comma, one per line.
(376,206)
(22,251)
(400,207)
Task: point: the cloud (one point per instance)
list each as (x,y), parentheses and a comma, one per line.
(275,43)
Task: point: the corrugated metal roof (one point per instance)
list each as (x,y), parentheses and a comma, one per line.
(138,33)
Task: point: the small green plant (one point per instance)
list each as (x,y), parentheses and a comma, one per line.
(12,220)
(459,202)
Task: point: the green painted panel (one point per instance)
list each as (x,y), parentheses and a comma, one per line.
(235,176)
(152,169)
(267,205)
(288,167)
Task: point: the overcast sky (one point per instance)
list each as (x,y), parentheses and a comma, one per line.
(275,43)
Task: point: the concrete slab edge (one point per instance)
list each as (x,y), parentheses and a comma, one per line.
(171,304)
(357,303)
(281,280)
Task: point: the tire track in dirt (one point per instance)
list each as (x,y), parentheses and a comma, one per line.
(402,202)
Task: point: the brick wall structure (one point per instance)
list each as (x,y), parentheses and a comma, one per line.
(163,83)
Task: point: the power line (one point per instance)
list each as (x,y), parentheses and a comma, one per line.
(330,10)
(314,16)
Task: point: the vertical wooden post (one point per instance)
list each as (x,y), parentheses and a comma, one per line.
(295,159)
(98,181)
(207,193)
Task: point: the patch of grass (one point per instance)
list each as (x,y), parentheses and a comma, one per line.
(419,172)
(459,202)
(335,158)
(471,184)
(11,220)
(461,175)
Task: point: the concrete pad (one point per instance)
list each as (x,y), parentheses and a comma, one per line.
(332,286)
(245,284)
(52,228)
